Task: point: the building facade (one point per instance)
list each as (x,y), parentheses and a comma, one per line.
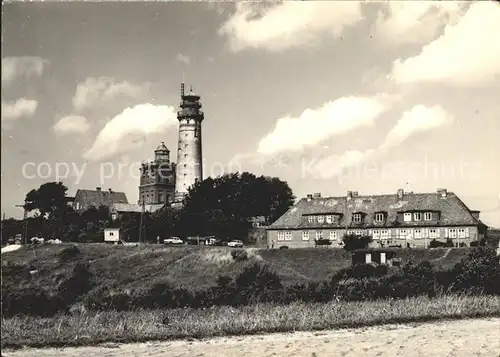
(157,182)
(401,219)
(189,168)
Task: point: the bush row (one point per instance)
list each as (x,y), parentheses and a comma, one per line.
(479,273)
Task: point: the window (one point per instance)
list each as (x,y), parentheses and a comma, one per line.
(432,233)
(359,233)
(407,217)
(160,197)
(384,234)
(288,235)
(356,218)
(311,219)
(452,233)
(319,235)
(379,217)
(321,219)
(402,233)
(427,216)
(111,233)
(417,216)
(329,219)
(350,233)
(461,233)
(418,233)
(376,234)
(305,235)
(281,235)
(333,235)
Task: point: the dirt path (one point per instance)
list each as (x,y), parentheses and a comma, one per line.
(444,255)
(465,338)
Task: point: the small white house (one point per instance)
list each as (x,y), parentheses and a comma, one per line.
(111,235)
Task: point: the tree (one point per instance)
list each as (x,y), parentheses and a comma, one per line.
(49,199)
(353,242)
(225,205)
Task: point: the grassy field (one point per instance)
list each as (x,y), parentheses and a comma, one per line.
(120,267)
(135,326)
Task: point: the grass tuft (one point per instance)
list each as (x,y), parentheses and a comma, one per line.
(91,328)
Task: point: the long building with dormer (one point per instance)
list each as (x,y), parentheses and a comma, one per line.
(403,219)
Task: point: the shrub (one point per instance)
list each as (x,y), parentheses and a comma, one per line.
(478,273)
(284,247)
(79,283)
(449,243)
(322,242)
(353,242)
(239,255)
(68,253)
(435,244)
(30,301)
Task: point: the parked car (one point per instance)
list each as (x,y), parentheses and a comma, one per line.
(173,240)
(235,244)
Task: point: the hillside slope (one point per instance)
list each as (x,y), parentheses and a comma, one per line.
(122,268)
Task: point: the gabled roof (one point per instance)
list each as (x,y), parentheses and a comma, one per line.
(452,210)
(133,207)
(98,198)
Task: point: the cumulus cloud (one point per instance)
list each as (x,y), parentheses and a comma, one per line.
(129,129)
(316,125)
(25,66)
(288,24)
(415,22)
(95,90)
(72,124)
(183,58)
(21,108)
(417,120)
(468,53)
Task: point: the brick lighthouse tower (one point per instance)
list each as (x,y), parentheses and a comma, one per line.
(189,167)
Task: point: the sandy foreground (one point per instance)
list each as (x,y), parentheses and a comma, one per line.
(467,338)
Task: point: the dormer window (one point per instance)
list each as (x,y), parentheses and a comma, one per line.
(417,216)
(329,219)
(379,217)
(311,219)
(428,216)
(407,217)
(321,219)
(356,218)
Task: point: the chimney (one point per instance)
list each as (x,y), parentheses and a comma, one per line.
(349,195)
(442,191)
(98,189)
(309,196)
(354,193)
(317,195)
(400,193)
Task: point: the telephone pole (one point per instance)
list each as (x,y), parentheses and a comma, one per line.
(25,219)
(1,229)
(140,224)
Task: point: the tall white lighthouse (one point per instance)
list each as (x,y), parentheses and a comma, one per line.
(189,168)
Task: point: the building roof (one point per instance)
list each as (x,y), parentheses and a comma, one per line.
(453,210)
(133,207)
(162,147)
(98,198)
